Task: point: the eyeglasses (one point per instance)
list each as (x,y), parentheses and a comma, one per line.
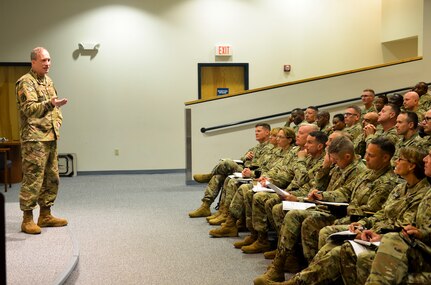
(349,114)
(427,119)
(281,137)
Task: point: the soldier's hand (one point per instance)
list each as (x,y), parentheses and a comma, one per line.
(315,194)
(58,102)
(327,162)
(302,153)
(249,155)
(289,198)
(369,129)
(246,172)
(355,227)
(369,235)
(410,230)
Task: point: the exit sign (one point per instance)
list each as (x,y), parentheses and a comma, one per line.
(223,50)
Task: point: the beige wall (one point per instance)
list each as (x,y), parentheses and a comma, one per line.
(130,95)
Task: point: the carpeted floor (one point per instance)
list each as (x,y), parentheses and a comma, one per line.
(134,229)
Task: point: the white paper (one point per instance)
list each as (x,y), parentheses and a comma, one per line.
(331,203)
(259,188)
(289,205)
(277,190)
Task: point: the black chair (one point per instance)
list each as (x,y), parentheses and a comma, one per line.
(5,167)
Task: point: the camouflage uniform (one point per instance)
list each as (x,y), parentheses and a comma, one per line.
(399,210)
(227,167)
(330,262)
(392,266)
(414,141)
(40,123)
(369,110)
(425,102)
(305,170)
(268,161)
(368,193)
(305,224)
(354,130)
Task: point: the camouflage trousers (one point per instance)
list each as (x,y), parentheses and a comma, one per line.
(258,216)
(230,186)
(324,269)
(325,232)
(213,188)
(396,262)
(275,213)
(226,167)
(303,226)
(355,268)
(220,173)
(237,207)
(40,174)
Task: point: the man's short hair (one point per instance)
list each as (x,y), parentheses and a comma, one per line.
(385,144)
(321,137)
(263,125)
(313,108)
(395,108)
(369,90)
(412,117)
(340,117)
(356,108)
(341,145)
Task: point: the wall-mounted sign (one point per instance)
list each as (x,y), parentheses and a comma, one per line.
(222,91)
(223,50)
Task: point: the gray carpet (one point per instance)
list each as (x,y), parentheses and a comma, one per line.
(134,229)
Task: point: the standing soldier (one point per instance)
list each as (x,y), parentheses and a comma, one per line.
(40,116)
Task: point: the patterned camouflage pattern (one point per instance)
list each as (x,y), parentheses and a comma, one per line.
(354,131)
(414,141)
(425,102)
(40,123)
(304,171)
(369,110)
(40,181)
(236,208)
(399,210)
(39,119)
(283,174)
(367,192)
(398,260)
(227,167)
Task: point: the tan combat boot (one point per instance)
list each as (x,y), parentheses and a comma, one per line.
(202,211)
(270,254)
(260,245)
(274,273)
(247,241)
(228,229)
(224,213)
(203,178)
(28,226)
(48,220)
(213,216)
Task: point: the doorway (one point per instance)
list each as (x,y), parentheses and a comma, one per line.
(217,79)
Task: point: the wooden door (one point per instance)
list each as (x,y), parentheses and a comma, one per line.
(9,117)
(222,79)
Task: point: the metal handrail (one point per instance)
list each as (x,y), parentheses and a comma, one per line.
(204,130)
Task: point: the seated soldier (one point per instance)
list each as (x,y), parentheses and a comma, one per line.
(311,114)
(399,209)
(360,144)
(367,98)
(296,117)
(352,118)
(411,103)
(424,97)
(285,139)
(227,167)
(322,122)
(380,101)
(407,129)
(338,123)
(281,177)
(366,192)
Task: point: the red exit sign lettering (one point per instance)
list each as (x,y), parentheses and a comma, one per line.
(223,50)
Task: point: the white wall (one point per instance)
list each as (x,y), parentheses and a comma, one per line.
(130,95)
